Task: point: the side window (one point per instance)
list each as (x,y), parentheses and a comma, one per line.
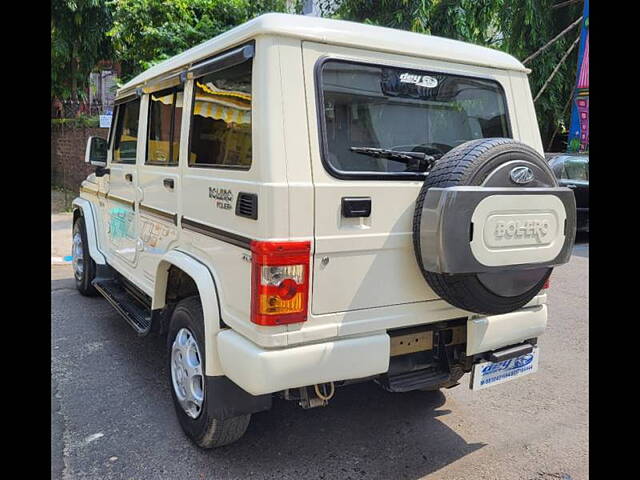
(126,135)
(165,117)
(221,119)
(577,169)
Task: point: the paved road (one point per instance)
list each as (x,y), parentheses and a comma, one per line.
(112,415)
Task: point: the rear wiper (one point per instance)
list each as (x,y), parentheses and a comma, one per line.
(415,161)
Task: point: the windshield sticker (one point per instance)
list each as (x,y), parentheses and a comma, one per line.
(396,83)
(419,80)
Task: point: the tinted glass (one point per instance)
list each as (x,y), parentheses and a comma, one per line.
(577,168)
(165,115)
(404,110)
(126,137)
(567,167)
(221,122)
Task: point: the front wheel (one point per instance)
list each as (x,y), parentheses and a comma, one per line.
(185,354)
(84,268)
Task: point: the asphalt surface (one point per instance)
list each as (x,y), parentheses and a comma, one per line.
(112,415)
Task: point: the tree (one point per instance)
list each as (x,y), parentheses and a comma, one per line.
(530,25)
(78,42)
(146,32)
(517,27)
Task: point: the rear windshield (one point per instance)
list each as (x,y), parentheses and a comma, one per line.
(403,110)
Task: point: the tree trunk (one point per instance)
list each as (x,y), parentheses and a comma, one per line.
(74,72)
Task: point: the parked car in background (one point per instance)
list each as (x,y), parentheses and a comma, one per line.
(572,171)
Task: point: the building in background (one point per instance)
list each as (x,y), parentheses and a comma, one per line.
(102,87)
(97,99)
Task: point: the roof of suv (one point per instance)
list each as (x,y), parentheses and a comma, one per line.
(337,32)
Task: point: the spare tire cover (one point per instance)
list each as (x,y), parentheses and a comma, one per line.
(490,163)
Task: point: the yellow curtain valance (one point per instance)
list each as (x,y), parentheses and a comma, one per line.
(220,112)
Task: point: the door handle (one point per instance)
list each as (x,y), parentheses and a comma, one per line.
(168,183)
(128,177)
(356,207)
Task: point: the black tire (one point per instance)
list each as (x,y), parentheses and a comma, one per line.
(470,164)
(204,430)
(84,279)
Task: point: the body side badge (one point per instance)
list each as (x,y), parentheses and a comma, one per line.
(521,175)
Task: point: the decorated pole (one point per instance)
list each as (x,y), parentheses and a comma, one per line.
(579,129)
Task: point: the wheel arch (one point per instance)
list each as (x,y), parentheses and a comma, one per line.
(82,207)
(206,289)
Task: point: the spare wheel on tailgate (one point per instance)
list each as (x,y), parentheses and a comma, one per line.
(489,225)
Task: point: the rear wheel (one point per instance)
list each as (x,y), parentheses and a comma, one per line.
(84,268)
(186,357)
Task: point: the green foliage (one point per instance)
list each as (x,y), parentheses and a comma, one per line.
(528,26)
(82,121)
(517,27)
(146,32)
(78,42)
(141,33)
(470,20)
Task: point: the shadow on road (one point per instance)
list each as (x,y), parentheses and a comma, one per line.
(364,430)
(384,435)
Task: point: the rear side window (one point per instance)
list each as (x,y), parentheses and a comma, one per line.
(165,117)
(571,168)
(577,169)
(221,119)
(403,110)
(126,135)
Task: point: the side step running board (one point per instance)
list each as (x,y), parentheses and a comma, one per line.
(133,311)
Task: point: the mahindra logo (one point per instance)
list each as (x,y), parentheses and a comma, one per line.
(521,175)
(522,229)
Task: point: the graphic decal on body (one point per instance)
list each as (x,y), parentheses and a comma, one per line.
(120,223)
(154,233)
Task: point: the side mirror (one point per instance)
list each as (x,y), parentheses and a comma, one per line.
(96,152)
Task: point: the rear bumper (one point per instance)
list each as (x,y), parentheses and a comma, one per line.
(490,333)
(260,371)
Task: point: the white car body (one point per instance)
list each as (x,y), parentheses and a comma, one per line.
(364,280)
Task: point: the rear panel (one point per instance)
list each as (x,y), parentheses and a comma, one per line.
(369,262)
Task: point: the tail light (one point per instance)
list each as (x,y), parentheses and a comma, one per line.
(547,282)
(280,282)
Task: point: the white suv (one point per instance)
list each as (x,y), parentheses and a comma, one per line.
(303,203)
